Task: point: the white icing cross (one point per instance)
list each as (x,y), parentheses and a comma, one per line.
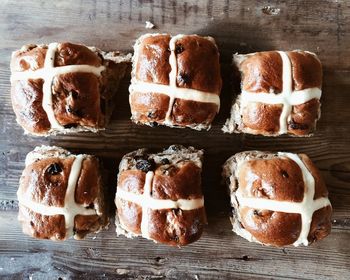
(172,90)
(306,208)
(70,208)
(48,73)
(146,195)
(147,202)
(287,97)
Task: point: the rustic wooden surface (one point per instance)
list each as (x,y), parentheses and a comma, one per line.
(240,26)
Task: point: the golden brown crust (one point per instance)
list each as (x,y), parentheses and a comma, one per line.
(30,57)
(262,73)
(151,64)
(27,98)
(320,185)
(129,215)
(262,118)
(89,186)
(303,117)
(277,178)
(188,229)
(79,99)
(177,182)
(175,177)
(45,182)
(149,107)
(73,54)
(182,113)
(198,64)
(41,226)
(272,176)
(85,224)
(270,227)
(320,225)
(76,100)
(44,185)
(132,181)
(306,70)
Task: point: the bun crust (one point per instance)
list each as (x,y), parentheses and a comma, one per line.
(262,73)
(82,99)
(277,179)
(176,181)
(175,63)
(46,201)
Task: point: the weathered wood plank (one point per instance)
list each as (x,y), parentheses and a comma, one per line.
(320,27)
(238,26)
(230,256)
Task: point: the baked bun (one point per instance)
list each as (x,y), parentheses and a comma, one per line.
(281,94)
(64,87)
(61,195)
(278,199)
(175,81)
(159,196)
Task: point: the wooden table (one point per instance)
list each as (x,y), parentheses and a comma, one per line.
(242,26)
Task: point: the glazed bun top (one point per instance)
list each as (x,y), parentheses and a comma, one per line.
(279,199)
(196,61)
(176,81)
(64,87)
(60,194)
(280,93)
(159,196)
(263,71)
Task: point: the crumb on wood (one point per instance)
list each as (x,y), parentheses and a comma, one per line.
(122,271)
(271,11)
(149,25)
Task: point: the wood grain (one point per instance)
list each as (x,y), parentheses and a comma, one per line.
(238,26)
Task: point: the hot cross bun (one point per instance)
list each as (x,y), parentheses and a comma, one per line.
(61,195)
(159,196)
(280,94)
(64,87)
(175,81)
(278,199)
